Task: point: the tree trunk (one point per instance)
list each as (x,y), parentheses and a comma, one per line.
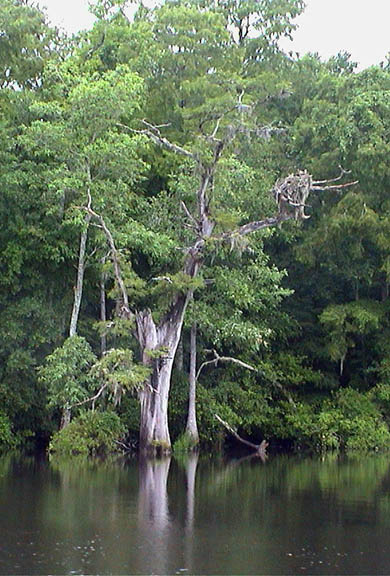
(179,359)
(192,428)
(78,294)
(65,417)
(78,291)
(158,345)
(103,312)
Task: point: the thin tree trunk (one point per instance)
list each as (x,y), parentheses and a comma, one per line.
(192,428)
(78,294)
(65,417)
(78,291)
(179,358)
(103,312)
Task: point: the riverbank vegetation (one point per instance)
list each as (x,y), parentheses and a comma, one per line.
(193,224)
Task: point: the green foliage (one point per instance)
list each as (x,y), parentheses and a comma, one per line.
(285,301)
(24,44)
(67,372)
(7,439)
(90,434)
(183,445)
(117,371)
(345,321)
(350,421)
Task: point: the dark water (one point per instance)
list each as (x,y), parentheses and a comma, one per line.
(285,516)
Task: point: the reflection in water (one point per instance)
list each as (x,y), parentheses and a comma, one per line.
(153,514)
(191,466)
(285,516)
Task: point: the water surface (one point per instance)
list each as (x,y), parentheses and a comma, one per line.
(288,515)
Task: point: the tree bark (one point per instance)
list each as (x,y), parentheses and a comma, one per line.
(158,345)
(179,359)
(65,417)
(103,311)
(192,427)
(78,291)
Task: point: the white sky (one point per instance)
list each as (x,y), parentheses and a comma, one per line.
(360,27)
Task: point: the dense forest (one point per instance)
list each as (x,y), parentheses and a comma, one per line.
(195,233)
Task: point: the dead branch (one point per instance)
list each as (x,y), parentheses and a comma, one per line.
(260,448)
(154,134)
(334,187)
(217,358)
(92,399)
(162,279)
(189,215)
(125,308)
(329,181)
(124,446)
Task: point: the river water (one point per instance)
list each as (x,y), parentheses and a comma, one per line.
(288,515)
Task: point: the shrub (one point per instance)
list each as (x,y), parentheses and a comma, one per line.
(349,421)
(7,439)
(90,434)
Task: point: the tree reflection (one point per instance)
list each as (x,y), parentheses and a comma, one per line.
(153,514)
(190,469)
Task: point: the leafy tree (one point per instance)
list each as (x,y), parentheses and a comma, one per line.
(67,375)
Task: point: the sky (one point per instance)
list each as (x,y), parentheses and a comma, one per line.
(359,27)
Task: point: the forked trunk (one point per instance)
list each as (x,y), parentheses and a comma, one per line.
(158,345)
(154,431)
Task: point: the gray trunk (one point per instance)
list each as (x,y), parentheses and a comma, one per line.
(192,428)
(179,358)
(158,345)
(103,312)
(78,290)
(65,417)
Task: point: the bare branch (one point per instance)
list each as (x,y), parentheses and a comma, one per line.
(163,278)
(260,448)
(92,399)
(339,177)
(217,358)
(189,215)
(334,187)
(213,135)
(125,310)
(256,225)
(154,134)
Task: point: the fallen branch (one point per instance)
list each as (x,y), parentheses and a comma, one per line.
(260,448)
(124,446)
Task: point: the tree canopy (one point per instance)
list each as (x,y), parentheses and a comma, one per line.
(155,178)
